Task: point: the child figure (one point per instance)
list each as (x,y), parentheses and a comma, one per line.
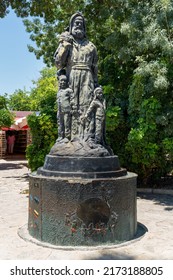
(64,109)
(97,106)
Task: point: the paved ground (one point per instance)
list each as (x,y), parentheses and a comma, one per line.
(154,211)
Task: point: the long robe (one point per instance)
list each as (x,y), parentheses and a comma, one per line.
(80,60)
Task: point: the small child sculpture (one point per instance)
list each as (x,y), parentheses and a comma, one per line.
(64,109)
(97,106)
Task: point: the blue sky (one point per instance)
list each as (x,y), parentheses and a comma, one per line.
(18,67)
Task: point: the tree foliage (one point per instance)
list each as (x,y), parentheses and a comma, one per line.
(43,93)
(135,45)
(19,101)
(44,133)
(43,125)
(6,117)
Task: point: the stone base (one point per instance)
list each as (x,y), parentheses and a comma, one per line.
(81,167)
(82,212)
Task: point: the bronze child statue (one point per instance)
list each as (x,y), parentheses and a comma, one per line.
(64,109)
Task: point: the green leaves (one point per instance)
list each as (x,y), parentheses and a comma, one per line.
(19,101)
(6,117)
(44,132)
(168,148)
(135,46)
(43,125)
(4,8)
(112,118)
(43,95)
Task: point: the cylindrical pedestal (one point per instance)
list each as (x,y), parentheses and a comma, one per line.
(79,211)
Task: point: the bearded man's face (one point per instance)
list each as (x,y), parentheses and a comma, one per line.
(78,28)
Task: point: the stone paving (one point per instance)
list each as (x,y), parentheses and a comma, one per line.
(155,211)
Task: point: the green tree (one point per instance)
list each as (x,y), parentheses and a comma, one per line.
(43,93)
(19,101)
(44,133)
(6,117)
(24,8)
(4,8)
(150,107)
(43,125)
(134,41)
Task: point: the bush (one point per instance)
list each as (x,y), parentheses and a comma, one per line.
(44,133)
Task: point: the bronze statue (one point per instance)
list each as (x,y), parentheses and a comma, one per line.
(76,58)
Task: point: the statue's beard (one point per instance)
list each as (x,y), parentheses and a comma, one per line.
(78,33)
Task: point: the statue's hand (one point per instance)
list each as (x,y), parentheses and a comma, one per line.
(65,37)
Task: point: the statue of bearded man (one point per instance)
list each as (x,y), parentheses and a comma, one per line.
(78,57)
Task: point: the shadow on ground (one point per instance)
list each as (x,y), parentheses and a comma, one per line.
(24,178)
(9,165)
(159,199)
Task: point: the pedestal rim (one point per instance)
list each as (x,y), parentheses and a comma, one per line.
(129,175)
(23,233)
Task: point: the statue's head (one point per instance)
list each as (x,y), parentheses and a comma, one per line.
(62,82)
(77,26)
(98,93)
